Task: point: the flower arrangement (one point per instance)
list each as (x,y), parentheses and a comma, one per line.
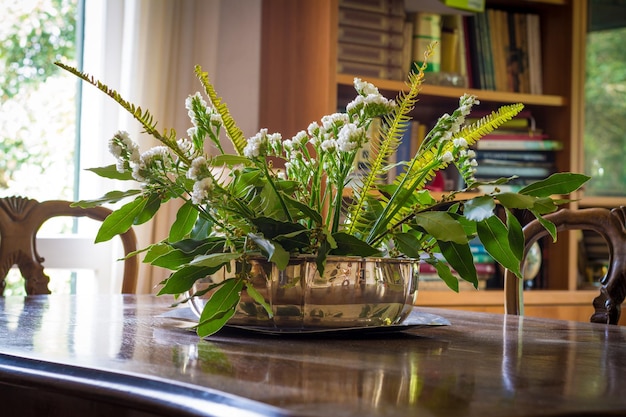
(240,205)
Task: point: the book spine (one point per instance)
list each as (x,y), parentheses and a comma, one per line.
(501,170)
(525,156)
(369,20)
(370,70)
(369,55)
(372,38)
(426,29)
(520,145)
(391,7)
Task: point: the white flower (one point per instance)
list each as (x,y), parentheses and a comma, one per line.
(460,143)
(329,145)
(198,169)
(447,157)
(185,145)
(197,97)
(332,120)
(300,138)
(255,143)
(313,128)
(201,190)
(349,137)
(364,87)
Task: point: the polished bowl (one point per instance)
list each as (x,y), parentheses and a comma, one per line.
(352,292)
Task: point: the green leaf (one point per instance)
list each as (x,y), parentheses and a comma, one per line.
(479,208)
(548,225)
(214,259)
(349,245)
(444,272)
(201,229)
(157,250)
(150,209)
(516,201)
(442,226)
(120,220)
(460,259)
(256,296)
(559,183)
(408,244)
(304,209)
(516,235)
(185,220)
(494,236)
(110,171)
(229,160)
(273,251)
(110,197)
(545,205)
(220,307)
(183,279)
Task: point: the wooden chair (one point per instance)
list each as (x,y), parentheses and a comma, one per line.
(21,218)
(611,225)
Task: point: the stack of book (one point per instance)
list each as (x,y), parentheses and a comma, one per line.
(517,148)
(504,49)
(372,39)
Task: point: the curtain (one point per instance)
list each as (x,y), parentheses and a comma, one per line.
(147,50)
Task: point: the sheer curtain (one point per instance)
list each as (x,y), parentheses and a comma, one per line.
(146,50)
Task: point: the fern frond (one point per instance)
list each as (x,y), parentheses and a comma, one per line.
(234,132)
(384,145)
(144,117)
(426,163)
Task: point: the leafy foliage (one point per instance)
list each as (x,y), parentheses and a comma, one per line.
(239,206)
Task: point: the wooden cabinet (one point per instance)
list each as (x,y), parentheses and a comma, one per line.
(300,84)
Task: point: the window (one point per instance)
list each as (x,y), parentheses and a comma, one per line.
(605,101)
(39,130)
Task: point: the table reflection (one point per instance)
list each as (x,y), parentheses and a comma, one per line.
(479,365)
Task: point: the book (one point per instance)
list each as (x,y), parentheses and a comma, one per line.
(426,29)
(533,29)
(523,156)
(370,70)
(370,20)
(485,170)
(520,145)
(371,38)
(369,55)
(391,7)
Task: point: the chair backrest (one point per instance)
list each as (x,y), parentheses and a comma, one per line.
(611,225)
(21,218)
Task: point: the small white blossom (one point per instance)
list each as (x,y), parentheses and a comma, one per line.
(313,129)
(460,143)
(364,87)
(201,190)
(329,145)
(349,137)
(255,144)
(300,138)
(198,169)
(447,157)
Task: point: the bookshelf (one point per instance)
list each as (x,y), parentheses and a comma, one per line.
(300,83)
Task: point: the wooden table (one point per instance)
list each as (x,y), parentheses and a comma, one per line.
(120,356)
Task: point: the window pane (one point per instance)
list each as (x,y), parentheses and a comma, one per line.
(605,102)
(38,111)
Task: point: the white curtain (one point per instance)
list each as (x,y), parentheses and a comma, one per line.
(147,50)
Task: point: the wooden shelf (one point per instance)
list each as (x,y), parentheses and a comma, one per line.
(456,92)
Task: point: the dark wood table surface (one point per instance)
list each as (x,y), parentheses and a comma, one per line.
(127,356)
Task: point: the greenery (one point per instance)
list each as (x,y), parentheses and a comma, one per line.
(239,205)
(605,108)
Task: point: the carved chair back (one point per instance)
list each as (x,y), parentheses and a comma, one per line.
(21,218)
(611,225)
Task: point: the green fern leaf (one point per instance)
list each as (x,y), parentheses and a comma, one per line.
(234,132)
